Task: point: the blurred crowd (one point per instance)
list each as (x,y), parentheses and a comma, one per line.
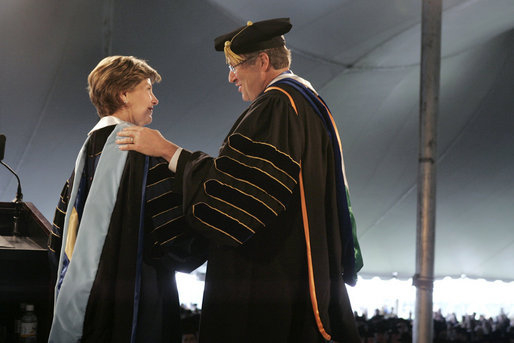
(388,328)
(384,327)
(190,320)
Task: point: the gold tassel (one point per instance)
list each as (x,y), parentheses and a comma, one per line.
(232,57)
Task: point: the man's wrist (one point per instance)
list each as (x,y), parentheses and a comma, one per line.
(168,151)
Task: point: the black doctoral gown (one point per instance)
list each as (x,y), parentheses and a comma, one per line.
(275,271)
(134,296)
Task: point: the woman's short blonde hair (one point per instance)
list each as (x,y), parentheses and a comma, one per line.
(114,75)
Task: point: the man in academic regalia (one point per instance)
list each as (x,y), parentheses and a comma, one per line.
(118,233)
(274,204)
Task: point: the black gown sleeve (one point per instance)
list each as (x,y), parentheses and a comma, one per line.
(55,238)
(233,196)
(168,238)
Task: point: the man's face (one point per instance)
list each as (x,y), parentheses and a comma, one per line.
(248,77)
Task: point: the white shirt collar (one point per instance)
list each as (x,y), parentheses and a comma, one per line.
(290,75)
(106,121)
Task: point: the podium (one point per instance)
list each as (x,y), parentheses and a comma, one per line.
(25,275)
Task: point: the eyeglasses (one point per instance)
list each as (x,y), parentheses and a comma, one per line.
(232,68)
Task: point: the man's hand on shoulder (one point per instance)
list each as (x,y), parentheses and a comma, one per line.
(146,141)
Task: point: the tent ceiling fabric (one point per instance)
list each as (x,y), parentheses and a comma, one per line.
(361,55)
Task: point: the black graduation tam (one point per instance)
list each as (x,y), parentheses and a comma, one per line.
(253,37)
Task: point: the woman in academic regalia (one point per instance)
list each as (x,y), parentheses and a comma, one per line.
(115,272)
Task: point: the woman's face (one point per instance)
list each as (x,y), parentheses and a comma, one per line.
(140,102)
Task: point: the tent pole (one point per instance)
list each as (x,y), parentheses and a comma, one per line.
(425,238)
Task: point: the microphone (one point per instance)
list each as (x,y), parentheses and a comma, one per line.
(19,194)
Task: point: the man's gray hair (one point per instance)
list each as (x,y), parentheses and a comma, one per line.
(279,57)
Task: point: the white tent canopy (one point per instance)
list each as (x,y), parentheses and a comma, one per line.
(361,55)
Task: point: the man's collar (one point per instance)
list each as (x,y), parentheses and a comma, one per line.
(290,75)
